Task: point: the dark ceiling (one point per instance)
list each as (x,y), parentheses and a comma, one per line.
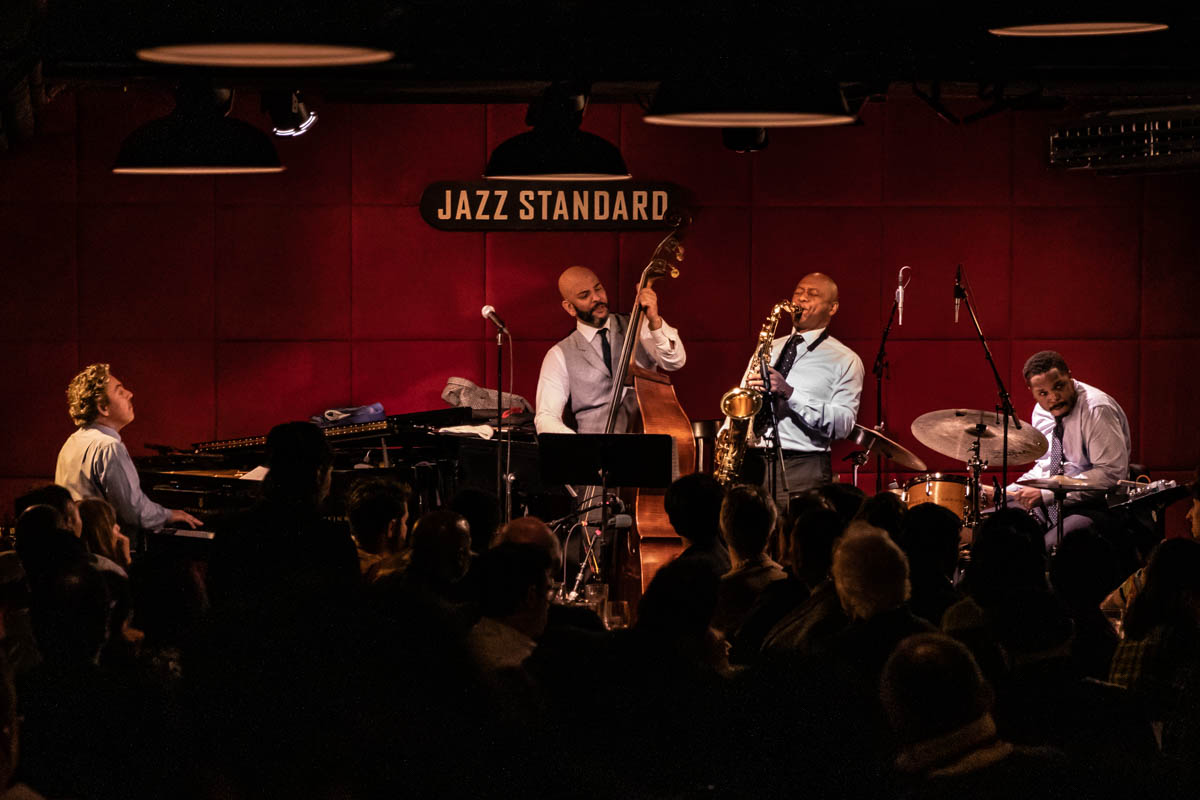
(507,50)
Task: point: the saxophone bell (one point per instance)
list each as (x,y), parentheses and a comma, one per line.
(741,403)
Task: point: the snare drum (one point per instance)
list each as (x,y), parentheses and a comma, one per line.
(947,491)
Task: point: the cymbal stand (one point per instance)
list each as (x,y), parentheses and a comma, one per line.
(975,465)
(1005,406)
(860,457)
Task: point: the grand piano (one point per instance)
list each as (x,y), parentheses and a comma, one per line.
(207,479)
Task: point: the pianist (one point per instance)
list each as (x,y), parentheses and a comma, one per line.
(94,461)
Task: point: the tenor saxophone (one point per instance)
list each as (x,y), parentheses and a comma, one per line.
(741,403)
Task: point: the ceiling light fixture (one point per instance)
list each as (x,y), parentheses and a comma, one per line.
(1071,29)
(198,138)
(731,102)
(251,35)
(263,54)
(555,149)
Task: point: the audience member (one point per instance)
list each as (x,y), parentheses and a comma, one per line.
(10,735)
(884,511)
(1045,698)
(514,588)
(58,498)
(283,548)
(930,537)
(939,705)
(102,533)
(870,574)
(820,615)
(1083,571)
(846,498)
(748,518)
(378,513)
(693,506)
(1159,658)
(481,510)
(1007,554)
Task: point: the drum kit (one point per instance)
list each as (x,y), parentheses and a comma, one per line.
(975,438)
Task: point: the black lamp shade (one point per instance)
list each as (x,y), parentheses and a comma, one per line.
(557,154)
(197,145)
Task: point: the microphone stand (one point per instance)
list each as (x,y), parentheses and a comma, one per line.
(502,485)
(776,466)
(881,366)
(1005,406)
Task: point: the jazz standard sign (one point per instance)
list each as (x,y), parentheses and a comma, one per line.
(540,206)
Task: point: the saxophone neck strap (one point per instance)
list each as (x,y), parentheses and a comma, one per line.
(816,342)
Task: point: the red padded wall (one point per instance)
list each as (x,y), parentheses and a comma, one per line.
(232,303)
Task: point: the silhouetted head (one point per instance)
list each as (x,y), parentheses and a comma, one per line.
(378,512)
(747,519)
(299,461)
(482,512)
(441,547)
(931,686)
(693,506)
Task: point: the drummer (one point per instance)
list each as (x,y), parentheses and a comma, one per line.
(1088,435)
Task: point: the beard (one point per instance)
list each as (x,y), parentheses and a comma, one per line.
(589,317)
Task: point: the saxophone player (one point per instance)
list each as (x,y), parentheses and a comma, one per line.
(816,383)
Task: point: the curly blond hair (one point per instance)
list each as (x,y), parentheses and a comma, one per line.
(86,392)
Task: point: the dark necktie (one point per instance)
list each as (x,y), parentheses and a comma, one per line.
(783,365)
(607,348)
(1056,464)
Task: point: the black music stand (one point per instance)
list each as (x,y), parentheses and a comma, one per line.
(644,460)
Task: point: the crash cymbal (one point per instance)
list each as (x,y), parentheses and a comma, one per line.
(876,442)
(1061,483)
(952,431)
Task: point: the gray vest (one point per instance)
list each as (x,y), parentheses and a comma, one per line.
(591,385)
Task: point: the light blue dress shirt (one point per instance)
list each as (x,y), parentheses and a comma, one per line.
(827,384)
(94,462)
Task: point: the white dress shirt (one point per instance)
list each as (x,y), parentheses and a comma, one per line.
(661,348)
(94,462)
(827,389)
(1095,442)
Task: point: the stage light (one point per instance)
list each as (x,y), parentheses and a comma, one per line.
(735,101)
(289,114)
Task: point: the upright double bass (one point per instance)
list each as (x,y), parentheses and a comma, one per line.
(652,542)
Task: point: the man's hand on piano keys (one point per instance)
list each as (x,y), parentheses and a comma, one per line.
(178,515)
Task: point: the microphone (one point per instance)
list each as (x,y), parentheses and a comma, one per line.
(900,295)
(621,521)
(957,291)
(489,312)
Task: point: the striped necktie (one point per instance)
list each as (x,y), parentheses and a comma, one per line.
(1056,464)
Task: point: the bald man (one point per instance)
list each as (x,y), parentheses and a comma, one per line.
(818,385)
(577,372)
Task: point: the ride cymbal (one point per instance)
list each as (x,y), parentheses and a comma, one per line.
(952,432)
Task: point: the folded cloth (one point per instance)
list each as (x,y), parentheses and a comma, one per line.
(482,431)
(482,402)
(353,415)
